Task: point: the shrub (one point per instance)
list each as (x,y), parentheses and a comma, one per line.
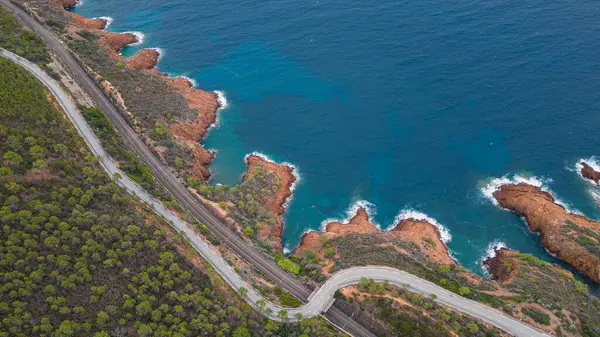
(537,315)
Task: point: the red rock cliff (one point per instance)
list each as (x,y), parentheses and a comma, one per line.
(502,267)
(114,42)
(588,172)
(272,234)
(545,216)
(68,3)
(205,103)
(423,234)
(83,22)
(144,59)
(407,229)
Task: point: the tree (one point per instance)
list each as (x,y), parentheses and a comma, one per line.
(144,330)
(12,159)
(248,231)
(102,318)
(473,328)
(283,315)
(143,309)
(464,291)
(241,332)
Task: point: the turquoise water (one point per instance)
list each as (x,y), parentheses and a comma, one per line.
(409,105)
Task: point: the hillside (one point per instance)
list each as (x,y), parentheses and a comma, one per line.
(69,267)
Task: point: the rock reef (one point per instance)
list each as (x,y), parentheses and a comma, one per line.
(422,233)
(588,172)
(562,232)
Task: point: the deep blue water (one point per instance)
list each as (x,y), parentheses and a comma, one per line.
(406,104)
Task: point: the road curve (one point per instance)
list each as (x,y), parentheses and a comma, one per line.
(320,300)
(265,265)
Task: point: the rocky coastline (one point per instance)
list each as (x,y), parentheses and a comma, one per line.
(502,266)
(421,233)
(206,104)
(566,235)
(276,198)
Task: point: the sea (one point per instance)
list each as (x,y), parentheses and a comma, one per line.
(409,108)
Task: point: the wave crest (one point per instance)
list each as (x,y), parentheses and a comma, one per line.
(494,185)
(139,36)
(351,212)
(409,213)
(490,252)
(593,162)
(221,99)
(106,19)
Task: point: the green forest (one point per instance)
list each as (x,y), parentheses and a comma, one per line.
(20,41)
(81,257)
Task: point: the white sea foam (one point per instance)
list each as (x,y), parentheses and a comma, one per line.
(595,194)
(139,36)
(295,172)
(351,212)
(191,80)
(593,162)
(490,252)
(286,251)
(221,99)
(494,185)
(106,19)
(161,53)
(409,213)
(78,3)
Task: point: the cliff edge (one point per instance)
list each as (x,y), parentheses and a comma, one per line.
(573,238)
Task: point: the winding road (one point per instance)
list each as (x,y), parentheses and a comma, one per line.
(319,302)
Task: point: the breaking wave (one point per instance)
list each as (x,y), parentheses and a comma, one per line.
(409,213)
(494,185)
(593,162)
(490,252)
(106,19)
(189,79)
(139,36)
(351,212)
(160,52)
(221,99)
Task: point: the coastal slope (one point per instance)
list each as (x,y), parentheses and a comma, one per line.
(418,232)
(571,237)
(174,126)
(257,203)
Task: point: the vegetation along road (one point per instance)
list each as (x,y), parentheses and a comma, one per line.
(261,262)
(320,300)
